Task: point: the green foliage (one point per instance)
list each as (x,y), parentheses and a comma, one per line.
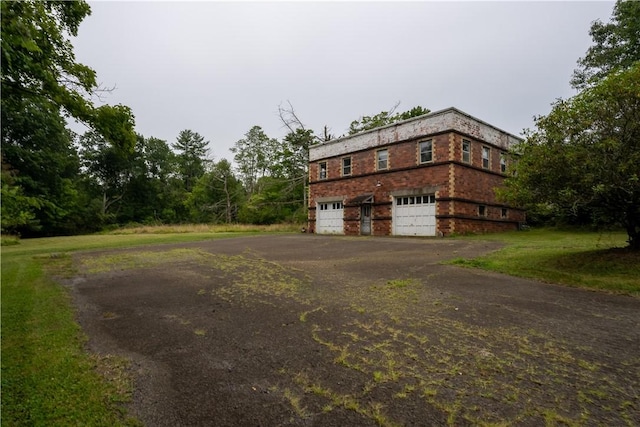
(582,163)
(255,156)
(41,85)
(116,125)
(216,196)
(383,118)
(293,154)
(273,201)
(617,45)
(160,162)
(37,150)
(109,167)
(192,157)
(38,62)
(18,210)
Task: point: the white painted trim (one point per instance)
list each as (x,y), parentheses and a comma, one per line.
(428,124)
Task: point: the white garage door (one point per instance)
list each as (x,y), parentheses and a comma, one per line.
(414,216)
(329,218)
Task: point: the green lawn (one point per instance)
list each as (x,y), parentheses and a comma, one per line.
(574,258)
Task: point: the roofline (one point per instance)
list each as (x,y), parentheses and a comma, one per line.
(412,119)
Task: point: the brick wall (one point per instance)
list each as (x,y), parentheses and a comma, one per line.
(460,187)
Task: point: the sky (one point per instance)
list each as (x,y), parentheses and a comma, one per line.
(220,68)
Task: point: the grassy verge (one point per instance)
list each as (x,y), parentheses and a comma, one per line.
(47,377)
(574,258)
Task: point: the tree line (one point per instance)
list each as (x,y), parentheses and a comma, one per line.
(580,165)
(57,182)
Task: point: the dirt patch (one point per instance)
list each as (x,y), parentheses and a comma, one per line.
(334,331)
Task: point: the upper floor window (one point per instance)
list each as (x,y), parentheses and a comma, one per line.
(466,151)
(426,151)
(485,157)
(346,166)
(503,162)
(322,170)
(382,159)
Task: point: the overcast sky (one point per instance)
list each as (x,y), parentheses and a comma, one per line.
(220,68)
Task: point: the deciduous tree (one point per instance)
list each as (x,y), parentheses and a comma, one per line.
(38,62)
(584,157)
(254,155)
(110,167)
(616,45)
(217,195)
(41,86)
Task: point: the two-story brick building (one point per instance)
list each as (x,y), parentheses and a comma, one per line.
(426,176)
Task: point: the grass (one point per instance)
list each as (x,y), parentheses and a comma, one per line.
(573,258)
(47,376)
(206,228)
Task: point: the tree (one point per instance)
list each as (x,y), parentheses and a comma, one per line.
(41,85)
(37,150)
(161,163)
(38,62)
(617,45)
(293,163)
(272,203)
(216,196)
(191,157)
(584,157)
(18,210)
(255,157)
(384,118)
(110,168)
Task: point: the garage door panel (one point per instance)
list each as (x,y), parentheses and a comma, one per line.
(330,218)
(414,216)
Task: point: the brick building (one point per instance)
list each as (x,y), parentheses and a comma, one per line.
(426,176)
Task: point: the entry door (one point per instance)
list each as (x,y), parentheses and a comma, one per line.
(365,219)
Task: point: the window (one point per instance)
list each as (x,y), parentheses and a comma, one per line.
(426,151)
(322,170)
(485,157)
(330,206)
(504,213)
(419,200)
(466,151)
(382,159)
(503,162)
(482,210)
(346,166)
